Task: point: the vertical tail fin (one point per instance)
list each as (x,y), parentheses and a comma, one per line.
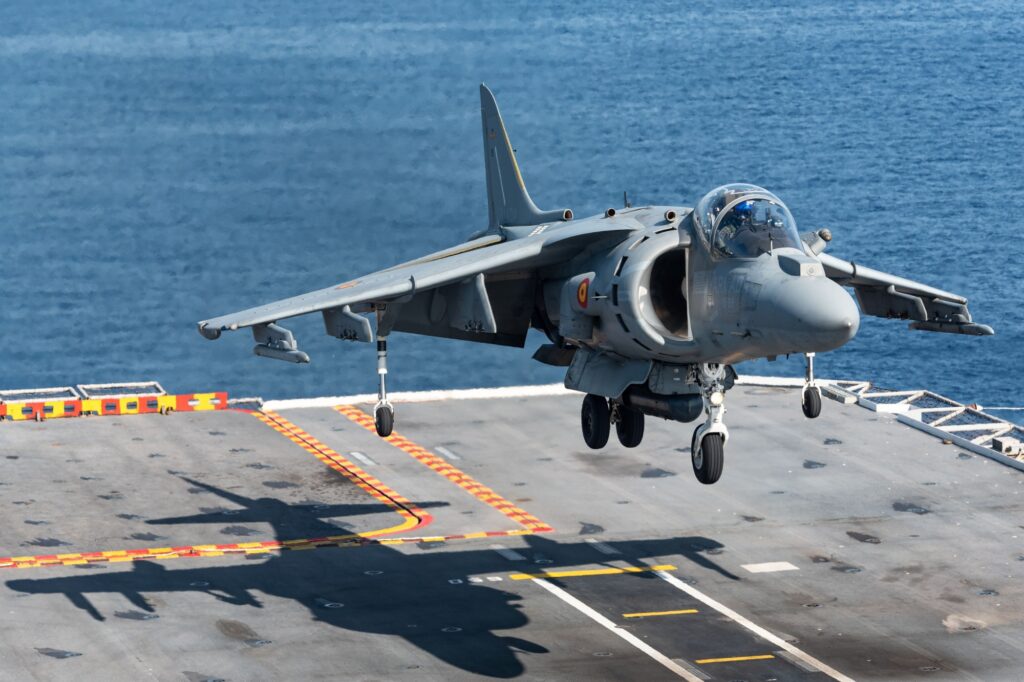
(508,202)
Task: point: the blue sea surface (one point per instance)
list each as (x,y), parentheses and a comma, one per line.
(162,163)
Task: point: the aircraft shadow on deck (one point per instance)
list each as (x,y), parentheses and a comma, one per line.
(424,598)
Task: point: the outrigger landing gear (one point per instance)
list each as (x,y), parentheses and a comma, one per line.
(811,396)
(384,411)
(707,448)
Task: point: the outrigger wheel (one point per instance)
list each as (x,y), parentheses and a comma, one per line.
(810,399)
(384,420)
(811,402)
(708,457)
(595,417)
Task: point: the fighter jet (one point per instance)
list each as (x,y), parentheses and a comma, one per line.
(647,307)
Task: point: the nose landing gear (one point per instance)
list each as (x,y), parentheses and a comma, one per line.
(707,448)
(811,397)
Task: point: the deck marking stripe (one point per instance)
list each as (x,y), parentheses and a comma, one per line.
(793,660)
(363,458)
(507,553)
(753,627)
(592,571)
(602,547)
(200,551)
(648,614)
(414,516)
(734,659)
(612,627)
(446,453)
(770,567)
(459,478)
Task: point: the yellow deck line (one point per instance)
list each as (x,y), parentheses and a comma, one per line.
(734,659)
(648,614)
(591,571)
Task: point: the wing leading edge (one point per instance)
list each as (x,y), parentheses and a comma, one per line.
(463,265)
(883,295)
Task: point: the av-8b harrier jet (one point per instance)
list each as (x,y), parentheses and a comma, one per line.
(647,307)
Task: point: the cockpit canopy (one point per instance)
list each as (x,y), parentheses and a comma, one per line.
(744,221)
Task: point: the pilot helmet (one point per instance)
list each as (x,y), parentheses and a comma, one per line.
(743,210)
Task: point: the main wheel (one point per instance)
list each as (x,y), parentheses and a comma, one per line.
(596,421)
(708,458)
(384,420)
(811,403)
(630,426)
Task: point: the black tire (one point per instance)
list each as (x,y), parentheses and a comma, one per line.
(596,421)
(384,420)
(630,427)
(709,459)
(811,403)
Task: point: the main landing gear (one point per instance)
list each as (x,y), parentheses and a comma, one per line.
(708,444)
(811,397)
(597,416)
(707,447)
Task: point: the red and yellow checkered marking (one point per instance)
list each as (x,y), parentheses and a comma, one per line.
(38,410)
(412,516)
(443,467)
(241,548)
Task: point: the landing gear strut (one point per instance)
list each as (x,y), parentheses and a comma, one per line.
(811,397)
(384,411)
(707,449)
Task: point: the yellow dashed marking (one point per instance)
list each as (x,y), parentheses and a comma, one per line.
(591,571)
(649,614)
(735,659)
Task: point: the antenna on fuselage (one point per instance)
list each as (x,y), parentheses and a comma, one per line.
(625,200)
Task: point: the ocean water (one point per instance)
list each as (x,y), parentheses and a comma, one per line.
(165,163)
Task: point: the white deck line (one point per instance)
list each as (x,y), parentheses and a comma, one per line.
(753,627)
(487,393)
(621,632)
(770,567)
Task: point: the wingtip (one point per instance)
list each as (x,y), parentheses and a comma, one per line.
(208,332)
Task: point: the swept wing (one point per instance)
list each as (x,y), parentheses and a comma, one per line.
(883,295)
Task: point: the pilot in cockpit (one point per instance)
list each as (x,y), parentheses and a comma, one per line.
(735,223)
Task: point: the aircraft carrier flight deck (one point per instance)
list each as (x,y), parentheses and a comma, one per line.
(293,543)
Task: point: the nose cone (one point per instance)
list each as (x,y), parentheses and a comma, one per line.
(814,314)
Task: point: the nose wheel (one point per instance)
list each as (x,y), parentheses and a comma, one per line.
(708,457)
(810,399)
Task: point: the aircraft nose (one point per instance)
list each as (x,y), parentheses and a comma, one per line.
(816,314)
